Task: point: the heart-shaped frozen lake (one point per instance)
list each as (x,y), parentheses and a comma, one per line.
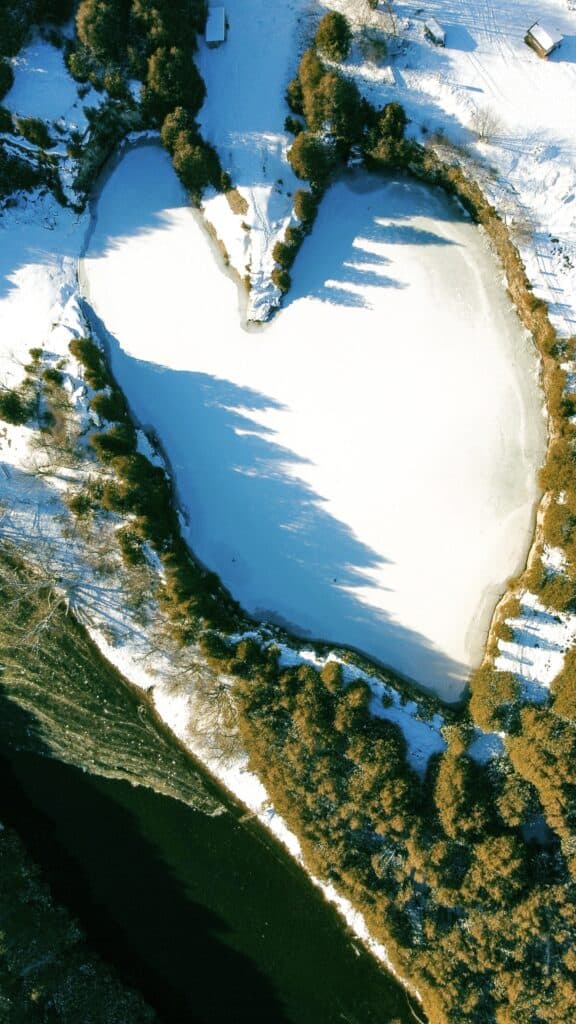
(363,468)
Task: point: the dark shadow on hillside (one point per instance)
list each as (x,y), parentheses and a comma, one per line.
(31,243)
(237,487)
(136,913)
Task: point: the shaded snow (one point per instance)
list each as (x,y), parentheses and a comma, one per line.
(43,88)
(536,654)
(363,468)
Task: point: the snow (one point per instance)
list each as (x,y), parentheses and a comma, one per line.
(536,652)
(528,159)
(423,735)
(43,88)
(363,468)
(243,116)
(486,746)
(39,244)
(435,31)
(529,173)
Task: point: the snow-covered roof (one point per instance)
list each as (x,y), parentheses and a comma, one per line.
(216,25)
(547,38)
(434,28)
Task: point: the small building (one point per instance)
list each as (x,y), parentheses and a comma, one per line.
(434,32)
(542,40)
(215,26)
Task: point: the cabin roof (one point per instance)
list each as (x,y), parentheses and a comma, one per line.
(216,25)
(434,27)
(547,38)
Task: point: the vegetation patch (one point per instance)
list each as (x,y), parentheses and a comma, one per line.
(154,43)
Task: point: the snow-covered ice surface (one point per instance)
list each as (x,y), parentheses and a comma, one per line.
(486,100)
(364,468)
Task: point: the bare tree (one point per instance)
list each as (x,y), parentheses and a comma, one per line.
(486,123)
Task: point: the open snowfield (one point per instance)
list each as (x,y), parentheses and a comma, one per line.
(363,468)
(43,88)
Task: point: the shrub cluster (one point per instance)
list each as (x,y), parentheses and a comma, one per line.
(195,161)
(335,119)
(35,131)
(6,77)
(137,489)
(18,16)
(14,408)
(90,356)
(155,42)
(333,36)
(17,173)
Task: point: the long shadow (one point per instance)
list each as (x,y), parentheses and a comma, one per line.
(339,260)
(566,52)
(459,38)
(157,193)
(179,975)
(207,919)
(527,638)
(250,518)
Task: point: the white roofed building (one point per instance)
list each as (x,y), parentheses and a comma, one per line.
(215,26)
(542,40)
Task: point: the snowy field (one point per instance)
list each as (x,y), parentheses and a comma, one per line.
(362,469)
(43,88)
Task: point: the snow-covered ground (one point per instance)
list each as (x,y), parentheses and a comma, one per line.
(487,82)
(364,468)
(485,100)
(243,115)
(43,88)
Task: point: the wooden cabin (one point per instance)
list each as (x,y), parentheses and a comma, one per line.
(542,40)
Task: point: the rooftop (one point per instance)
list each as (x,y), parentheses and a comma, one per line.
(216,25)
(547,38)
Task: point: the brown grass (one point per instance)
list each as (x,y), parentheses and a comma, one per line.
(236,202)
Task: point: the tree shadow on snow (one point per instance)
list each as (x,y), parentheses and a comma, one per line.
(252,519)
(343,255)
